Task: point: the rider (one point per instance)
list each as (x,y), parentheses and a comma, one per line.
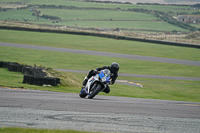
(114,68)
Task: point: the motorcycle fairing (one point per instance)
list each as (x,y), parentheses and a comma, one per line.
(91,82)
(104,77)
(93,79)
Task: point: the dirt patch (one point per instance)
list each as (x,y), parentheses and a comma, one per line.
(13,6)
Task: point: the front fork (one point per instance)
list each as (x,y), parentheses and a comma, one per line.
(86,90)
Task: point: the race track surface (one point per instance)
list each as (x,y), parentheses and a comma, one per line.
(43,109)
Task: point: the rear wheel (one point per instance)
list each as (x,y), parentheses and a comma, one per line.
(95,91)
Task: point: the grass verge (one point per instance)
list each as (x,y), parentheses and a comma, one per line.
(70,82)
(153,88)
(29,130)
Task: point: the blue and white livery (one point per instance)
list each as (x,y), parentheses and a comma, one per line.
(96,84)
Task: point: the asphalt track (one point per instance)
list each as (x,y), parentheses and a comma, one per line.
(43,109)
(54,110)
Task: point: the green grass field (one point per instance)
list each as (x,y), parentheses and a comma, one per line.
(109,5)
(70,19)
(196,25)
(164,8)
(160,26)
(12,1)
(98,14)
(153,88)
(18,14)
(137,25)
(78,17)
(99,44)
(80,62)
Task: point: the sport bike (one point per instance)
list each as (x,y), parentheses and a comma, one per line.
(96,84)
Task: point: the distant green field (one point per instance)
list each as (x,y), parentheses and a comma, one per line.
(18,14)
(73,17)
(97,14)
(161,26)
(101,16)
(109,5)
(137,25)
(196,25)
(70,15)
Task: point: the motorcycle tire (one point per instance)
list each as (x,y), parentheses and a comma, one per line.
(82,95)
(95,92)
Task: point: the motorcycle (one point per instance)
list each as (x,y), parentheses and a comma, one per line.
(96,84)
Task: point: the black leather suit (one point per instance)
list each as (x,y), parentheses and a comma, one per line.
(114,75)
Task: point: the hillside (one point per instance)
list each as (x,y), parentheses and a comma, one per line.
(152,21)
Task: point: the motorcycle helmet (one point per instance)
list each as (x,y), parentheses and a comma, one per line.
(115,66)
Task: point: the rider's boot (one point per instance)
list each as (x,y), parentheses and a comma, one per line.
(85,81)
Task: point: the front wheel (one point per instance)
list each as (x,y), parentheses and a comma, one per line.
(82,94)
(95,91)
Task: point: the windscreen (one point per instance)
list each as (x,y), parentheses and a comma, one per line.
(106,72)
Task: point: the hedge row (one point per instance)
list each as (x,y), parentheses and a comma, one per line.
(32,75)
(163,4)
(113,2)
